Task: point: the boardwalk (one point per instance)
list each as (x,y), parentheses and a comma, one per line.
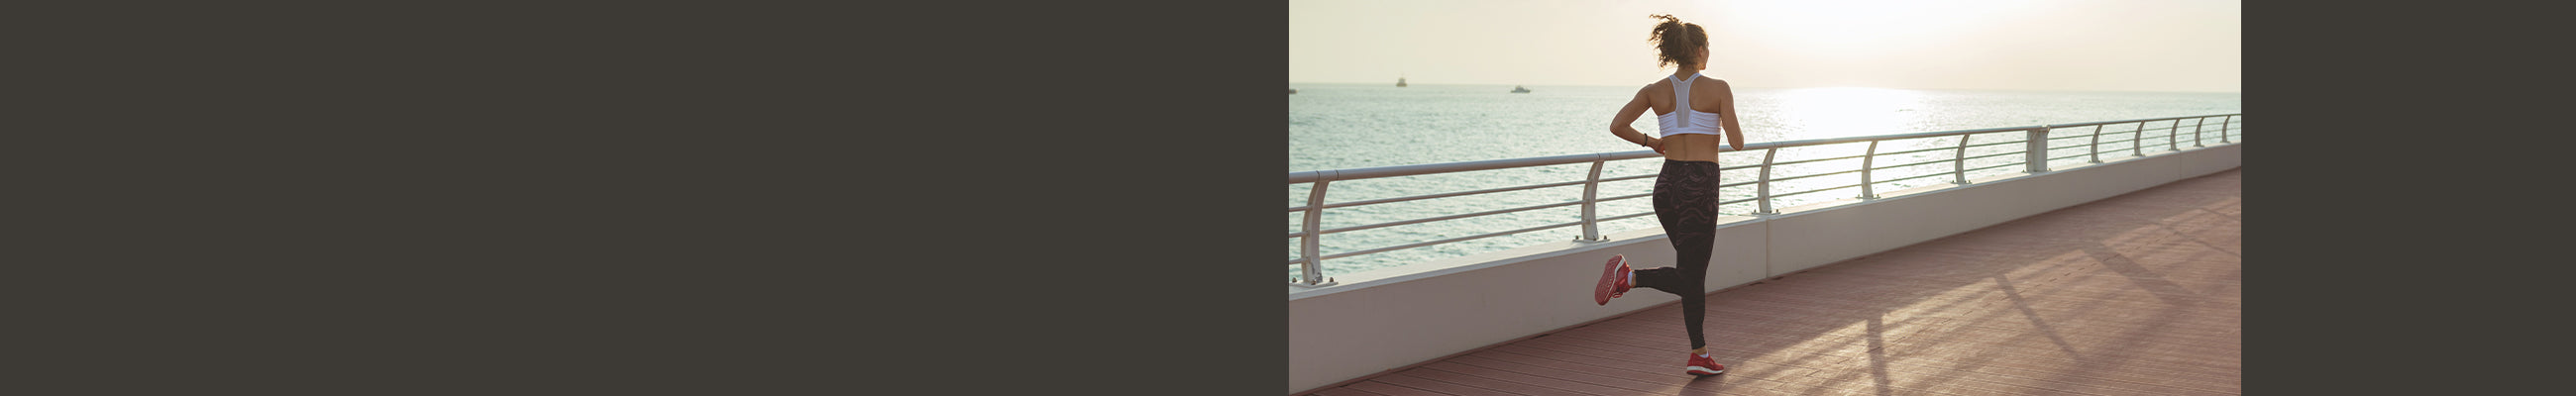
(2139,294)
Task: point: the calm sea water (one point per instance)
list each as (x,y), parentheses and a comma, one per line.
(1342,126)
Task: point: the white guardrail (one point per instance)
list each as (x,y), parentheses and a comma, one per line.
(2035,145)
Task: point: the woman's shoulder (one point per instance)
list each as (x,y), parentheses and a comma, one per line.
(1711,85)
(1664,86)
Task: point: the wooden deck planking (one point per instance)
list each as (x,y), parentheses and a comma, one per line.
(2138,294)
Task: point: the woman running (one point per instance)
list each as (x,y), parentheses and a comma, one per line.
(1690,112)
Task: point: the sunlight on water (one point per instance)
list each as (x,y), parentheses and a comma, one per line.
(1818,113)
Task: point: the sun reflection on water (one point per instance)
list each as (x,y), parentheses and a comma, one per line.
(1819,113)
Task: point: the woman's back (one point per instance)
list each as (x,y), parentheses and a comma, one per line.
(1704,95)
(1708,98)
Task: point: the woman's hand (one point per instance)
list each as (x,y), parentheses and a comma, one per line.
(1657,144)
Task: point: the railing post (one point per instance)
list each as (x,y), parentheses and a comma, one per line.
(1866,161)
(2138,141)
(2096,146)
(2035,156)
(1762,190)
(1591,199)
(2195,130)
(2171,133)
(1311,244)
(2222,128)
(1959,162)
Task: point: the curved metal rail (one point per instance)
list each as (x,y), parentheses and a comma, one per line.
(2036,145)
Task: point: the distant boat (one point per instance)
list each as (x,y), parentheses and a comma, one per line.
(1399,82)
(1518,89)
(1292,91)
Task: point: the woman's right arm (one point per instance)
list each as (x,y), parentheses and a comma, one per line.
(1726,115)
(1628,114)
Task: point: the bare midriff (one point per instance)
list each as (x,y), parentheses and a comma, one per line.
(1693,147)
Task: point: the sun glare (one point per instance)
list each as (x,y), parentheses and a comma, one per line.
(1819,113)
(1843,29)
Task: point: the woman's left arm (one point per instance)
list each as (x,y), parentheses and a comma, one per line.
(1637,106)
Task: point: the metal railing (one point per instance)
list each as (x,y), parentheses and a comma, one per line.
(2036,145)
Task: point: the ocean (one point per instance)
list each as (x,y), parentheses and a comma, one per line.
(1342,126)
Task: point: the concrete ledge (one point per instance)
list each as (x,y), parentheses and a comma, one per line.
(1393,318)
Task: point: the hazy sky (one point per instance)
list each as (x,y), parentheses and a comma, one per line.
(2085,45)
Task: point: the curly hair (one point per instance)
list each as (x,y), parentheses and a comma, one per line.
(1676,41)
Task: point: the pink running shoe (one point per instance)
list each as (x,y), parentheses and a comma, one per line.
(1614,280)
(1702,365)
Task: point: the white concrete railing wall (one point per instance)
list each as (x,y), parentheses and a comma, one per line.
(1387,319)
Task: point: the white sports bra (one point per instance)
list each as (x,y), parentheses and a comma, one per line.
(1684,120)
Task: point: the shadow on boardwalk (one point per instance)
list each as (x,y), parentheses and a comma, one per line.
(2135,294)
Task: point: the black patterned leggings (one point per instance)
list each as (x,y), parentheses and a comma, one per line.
(1686,202)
